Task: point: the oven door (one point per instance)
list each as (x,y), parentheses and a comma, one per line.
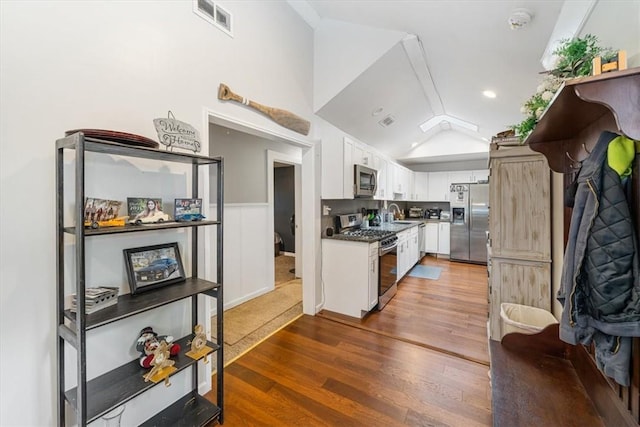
(388,267)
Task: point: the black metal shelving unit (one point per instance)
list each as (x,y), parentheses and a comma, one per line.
(96,397)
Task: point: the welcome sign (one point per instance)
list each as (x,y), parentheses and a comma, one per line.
(174,133)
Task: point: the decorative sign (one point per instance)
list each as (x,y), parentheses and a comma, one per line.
(174,133)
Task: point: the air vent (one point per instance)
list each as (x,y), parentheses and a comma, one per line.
(387,121)
(214,14)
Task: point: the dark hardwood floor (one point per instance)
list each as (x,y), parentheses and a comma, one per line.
(422,361)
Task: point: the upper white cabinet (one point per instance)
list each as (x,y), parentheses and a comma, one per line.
(400,182)
(438,186)
(460,176)
(421,185)
(333,183)
(380,165)
(362,155)
(480,175)
(347,155)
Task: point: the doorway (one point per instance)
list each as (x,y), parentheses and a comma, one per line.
(284,222)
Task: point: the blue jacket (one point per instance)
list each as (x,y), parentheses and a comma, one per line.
(600,288)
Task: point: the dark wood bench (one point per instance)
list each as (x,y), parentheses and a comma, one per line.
(538,380)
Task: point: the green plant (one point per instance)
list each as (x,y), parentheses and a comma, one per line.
(574,60)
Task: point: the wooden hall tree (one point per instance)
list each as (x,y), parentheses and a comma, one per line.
(565,135)
(519,231)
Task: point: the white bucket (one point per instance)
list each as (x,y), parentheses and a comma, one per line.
(524,319)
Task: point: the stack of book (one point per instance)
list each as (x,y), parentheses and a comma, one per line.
(96,299)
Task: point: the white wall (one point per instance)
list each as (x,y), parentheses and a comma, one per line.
(111,65)
(343,51)
(449,143)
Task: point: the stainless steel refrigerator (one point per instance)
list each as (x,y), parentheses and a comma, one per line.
(469,222)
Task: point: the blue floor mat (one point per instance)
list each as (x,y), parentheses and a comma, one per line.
(423,271)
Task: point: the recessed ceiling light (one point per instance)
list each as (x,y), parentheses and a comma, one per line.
(414,144)
(377,111)
(489,94)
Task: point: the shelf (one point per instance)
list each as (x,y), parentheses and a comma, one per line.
(129,305)
(110,390)
(108,147)
(578,104)
(190,410)
(137,228)
(90,400)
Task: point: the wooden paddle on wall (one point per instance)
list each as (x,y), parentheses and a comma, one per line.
(282,117)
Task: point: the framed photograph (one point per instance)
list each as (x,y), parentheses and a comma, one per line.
(139,207)
(96,210)
(151,267)
(146,210)
(188,210)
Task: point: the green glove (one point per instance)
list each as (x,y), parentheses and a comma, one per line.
(620,155)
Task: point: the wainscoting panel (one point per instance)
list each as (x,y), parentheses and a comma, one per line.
(248,253)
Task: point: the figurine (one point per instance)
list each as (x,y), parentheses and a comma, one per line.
(149,341)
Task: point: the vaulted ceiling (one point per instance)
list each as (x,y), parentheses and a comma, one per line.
(428,87)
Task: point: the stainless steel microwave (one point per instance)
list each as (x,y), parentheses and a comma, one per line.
(366,180)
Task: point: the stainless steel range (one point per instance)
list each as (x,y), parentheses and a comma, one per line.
(350,228)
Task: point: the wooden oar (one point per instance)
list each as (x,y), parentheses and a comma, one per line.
(282,117)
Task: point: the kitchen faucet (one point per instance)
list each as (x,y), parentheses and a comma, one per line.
(397,209)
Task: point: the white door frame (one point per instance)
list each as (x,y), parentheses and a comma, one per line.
(296,161)
(309,215)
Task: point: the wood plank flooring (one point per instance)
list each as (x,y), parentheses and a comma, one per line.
(448,314)
(319,372)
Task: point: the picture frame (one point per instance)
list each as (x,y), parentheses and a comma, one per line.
(100,209)
(151,267)
(188,210)
(138,206)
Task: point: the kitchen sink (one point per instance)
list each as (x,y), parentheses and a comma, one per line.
(405,222)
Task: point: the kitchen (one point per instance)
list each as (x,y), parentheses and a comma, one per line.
(124,44)
(369,245)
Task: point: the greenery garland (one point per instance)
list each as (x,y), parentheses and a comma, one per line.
(574,60)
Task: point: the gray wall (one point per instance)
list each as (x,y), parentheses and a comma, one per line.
(245,163)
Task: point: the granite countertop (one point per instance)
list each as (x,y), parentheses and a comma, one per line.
(396,227)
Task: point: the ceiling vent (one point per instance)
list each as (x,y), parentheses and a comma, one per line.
(214,14)
(387,121)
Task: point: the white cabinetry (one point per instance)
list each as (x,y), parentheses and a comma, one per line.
(362,155)
(403,254)
(444,231)
(414,250)
(373,275)
(438,186)
(347,163)
(480,175)
(421,185)
(431,238)
(460,176)
(380,165)
(350,276)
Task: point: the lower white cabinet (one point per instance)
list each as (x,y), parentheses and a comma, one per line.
(431,238)
(350,276)
(414,249)
(374,265)
(403,254)
(444,244)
